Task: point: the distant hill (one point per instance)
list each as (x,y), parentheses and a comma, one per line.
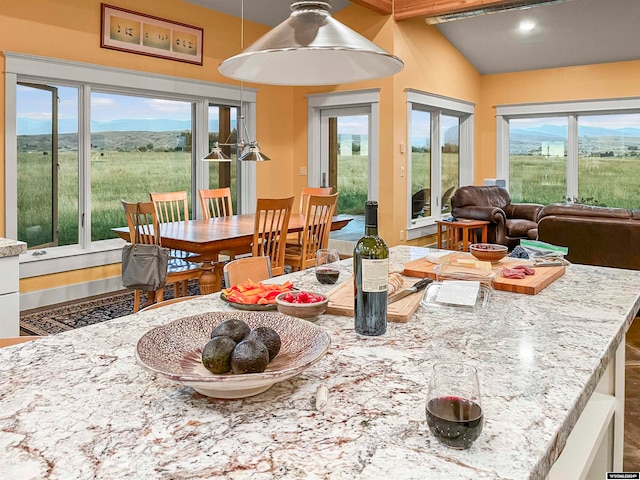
(29,126)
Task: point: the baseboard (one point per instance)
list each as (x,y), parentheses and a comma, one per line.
(76,291)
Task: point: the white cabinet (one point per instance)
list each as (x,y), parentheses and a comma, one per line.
(10,287)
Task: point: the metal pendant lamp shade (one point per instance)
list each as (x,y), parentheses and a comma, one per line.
(311,48)
(216,155)
(254,154)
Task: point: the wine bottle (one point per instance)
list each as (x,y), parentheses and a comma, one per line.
(371,277)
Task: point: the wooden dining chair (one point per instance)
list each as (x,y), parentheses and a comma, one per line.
(179,271)
(270,230)
(306,191)
(173,207)
(317,225)
(216,202)
(247,268)
(170,301)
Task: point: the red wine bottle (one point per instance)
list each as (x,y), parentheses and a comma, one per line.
(371,277)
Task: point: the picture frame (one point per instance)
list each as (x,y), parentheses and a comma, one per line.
(134,32)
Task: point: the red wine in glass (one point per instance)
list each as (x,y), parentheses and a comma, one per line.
(327,276)
(454,421)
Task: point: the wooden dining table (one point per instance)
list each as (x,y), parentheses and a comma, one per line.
(207,238)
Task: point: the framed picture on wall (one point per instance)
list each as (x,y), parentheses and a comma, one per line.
(135,32)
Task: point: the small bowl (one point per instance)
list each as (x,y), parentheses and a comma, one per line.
(307,311)
(488,252)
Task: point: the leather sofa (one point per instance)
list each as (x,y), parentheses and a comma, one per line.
(608,237)
(508,222)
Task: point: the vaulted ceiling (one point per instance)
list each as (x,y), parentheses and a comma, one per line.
(571,32)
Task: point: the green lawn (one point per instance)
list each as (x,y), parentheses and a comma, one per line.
(131,175)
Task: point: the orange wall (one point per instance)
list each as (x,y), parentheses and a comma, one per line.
(611,80)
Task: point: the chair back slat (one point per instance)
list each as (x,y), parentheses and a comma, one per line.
(317,226)
(171,206)
(216,202)
(270,231)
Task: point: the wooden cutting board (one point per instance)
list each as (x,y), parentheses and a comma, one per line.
(341,302)
(529,285)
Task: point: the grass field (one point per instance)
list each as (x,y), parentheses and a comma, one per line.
(131,175)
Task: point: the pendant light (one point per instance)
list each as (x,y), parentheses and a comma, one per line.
(311,48)
(253,154)
(217,155)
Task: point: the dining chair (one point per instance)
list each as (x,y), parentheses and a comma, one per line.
(167,302)
(270,230)
(247,268)
(216,203)
(306,191)
(173,207)
(8,341)
(315,235)
(179,271)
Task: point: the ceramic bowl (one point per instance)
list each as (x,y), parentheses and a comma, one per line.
(174,351)
(308,311)
(488,252)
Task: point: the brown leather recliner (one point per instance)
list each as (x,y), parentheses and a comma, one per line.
(508,222)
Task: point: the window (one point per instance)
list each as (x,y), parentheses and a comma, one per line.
(440,156)
(585,152)
(84,136)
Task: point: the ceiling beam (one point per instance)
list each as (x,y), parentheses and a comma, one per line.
(384,7)
(405,9)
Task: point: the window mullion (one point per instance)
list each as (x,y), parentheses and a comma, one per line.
(572,157)
(84,166)
(436,162)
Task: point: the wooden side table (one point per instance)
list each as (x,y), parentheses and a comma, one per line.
(460,230)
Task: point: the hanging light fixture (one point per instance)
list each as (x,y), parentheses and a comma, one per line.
(217,155)
(311,48)
(253,153)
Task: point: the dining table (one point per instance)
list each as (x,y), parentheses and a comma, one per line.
(208,237)
(78,405)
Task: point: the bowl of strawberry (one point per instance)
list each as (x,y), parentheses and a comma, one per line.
(303,304)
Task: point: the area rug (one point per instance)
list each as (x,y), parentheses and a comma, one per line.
(60,318)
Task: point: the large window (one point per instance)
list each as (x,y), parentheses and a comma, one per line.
(578,152)
(440,157)
(83,137)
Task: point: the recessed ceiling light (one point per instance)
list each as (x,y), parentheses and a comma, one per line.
(526,26)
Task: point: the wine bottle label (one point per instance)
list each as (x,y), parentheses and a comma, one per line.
(375,275)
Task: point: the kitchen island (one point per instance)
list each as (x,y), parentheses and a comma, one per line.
(76,405)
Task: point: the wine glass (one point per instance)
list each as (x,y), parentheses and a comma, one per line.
(327,269)
(454,406)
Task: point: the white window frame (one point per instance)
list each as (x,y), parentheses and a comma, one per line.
(438,105)
(30,68)
(319,102)
(571,111)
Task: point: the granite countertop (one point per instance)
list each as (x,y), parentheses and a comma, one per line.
(76,405)
(11,248)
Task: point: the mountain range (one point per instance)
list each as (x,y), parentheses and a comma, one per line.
(28,126)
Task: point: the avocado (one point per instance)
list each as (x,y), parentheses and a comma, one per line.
(269,337)
(232,328)
(250,356)
(216,354)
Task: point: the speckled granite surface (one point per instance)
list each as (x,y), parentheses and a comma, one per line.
(76,405)
(11,248)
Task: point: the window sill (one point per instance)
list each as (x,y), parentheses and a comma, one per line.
(424,228)
(72,257)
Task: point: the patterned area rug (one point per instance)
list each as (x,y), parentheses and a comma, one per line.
(70,315)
